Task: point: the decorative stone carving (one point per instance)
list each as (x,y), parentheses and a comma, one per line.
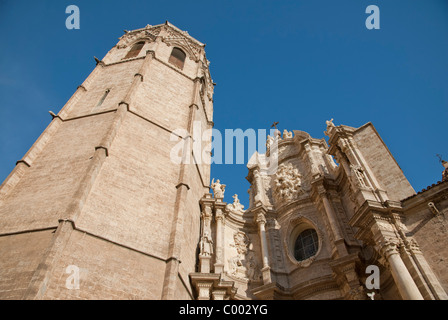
(389,246)
(412,245)
(287,134)
(244,265)
(358,176)
(330,126)
(287,183)
(282,149)
(269,142)
(218,189)
(278,134)
(357,293)
(175,38)
(206,245)
(236,206)
(130,37)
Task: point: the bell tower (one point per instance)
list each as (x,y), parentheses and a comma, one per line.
(97,208)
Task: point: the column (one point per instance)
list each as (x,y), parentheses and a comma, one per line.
(403,279)
(266,270)
(429,277)
(332,220)
(219,217)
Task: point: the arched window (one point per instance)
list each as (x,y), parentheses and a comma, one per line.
(306,245)
(177,58)
(135,50)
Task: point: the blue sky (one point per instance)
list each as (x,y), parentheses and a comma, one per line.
(296,62)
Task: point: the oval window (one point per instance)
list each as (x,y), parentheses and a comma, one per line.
(306,245)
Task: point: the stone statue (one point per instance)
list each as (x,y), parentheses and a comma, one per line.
(330,125)
(287,134)
(206,244)
(218,188)
(236,205)
(358,175)
(269,141)
(278,134)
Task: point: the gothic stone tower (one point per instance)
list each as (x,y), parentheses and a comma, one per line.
(98,190)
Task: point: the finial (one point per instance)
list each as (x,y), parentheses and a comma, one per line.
(445,165)
(330,125)
(53,115)
(218,188)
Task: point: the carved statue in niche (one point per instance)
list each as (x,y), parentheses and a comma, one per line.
(244,265)
(287,183)
(206,244)
(358,176)
(218,188)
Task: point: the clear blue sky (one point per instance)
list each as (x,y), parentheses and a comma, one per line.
(296,62)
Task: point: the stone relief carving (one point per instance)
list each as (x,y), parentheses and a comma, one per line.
(287,183)
(244,265)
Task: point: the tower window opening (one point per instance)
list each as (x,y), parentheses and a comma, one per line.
(177,58)
(101,100)
(135,50)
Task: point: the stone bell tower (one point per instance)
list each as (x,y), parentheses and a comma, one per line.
(98,208)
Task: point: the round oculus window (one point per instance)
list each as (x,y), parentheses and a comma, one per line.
(306,245)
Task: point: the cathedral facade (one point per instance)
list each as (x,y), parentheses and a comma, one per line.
(97,209)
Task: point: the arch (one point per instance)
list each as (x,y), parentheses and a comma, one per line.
(177,57)
(135,50)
